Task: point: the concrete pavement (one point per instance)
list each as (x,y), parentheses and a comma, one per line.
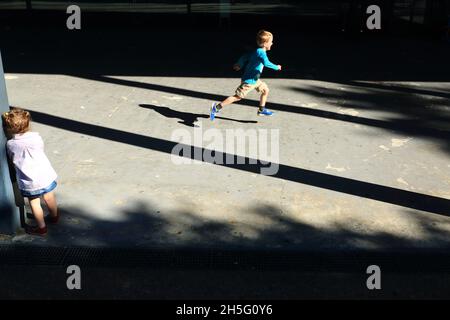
(363,140)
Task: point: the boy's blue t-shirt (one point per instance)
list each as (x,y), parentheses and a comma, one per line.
(254,63)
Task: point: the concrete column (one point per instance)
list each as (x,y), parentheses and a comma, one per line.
(9,212)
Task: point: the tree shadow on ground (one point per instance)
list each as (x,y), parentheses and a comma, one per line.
(417,112)
(264,227)
(284,257)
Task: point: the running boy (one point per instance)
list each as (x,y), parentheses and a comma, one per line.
(254,63)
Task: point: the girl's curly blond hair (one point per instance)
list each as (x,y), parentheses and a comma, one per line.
(16,121)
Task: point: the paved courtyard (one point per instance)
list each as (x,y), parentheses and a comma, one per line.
(363,142)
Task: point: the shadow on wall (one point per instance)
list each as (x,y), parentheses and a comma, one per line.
(211,54)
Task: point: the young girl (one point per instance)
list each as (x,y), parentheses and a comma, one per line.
(35,175)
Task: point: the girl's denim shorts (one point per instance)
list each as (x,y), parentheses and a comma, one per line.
(40,192)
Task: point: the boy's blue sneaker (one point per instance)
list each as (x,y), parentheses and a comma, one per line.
(265,112)
(213,111)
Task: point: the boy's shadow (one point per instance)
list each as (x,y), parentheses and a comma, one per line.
(187,118)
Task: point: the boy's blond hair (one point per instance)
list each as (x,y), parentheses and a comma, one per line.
(16,121)
(262,37)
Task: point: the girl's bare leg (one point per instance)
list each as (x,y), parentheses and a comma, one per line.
(36,209)
(50,201)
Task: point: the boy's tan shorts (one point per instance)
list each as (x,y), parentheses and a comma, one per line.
(245,88)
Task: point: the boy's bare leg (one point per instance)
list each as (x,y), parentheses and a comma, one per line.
(263,98)
(230,100)
(50,201)
(36,209)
